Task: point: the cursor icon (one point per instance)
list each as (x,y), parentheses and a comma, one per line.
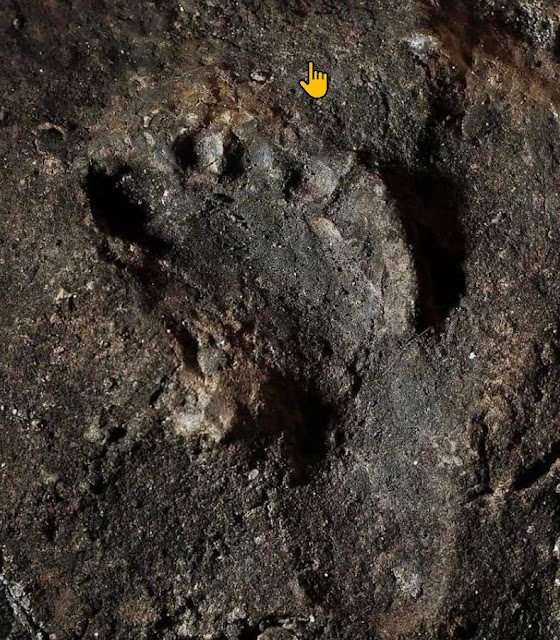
(316,85)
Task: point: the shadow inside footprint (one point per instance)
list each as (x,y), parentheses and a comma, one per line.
(429,207)
(297,413)
(184,151)
(116,212)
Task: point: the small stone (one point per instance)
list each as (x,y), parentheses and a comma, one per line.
(210,152)
(258,76)
(62,295)
(211,360)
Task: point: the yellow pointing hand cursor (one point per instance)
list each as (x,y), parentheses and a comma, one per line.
(316,86)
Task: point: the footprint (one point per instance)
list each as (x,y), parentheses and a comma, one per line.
(287,263)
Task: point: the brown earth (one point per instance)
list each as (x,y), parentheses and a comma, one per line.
(274,367)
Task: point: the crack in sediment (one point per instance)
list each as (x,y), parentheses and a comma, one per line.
(479,442)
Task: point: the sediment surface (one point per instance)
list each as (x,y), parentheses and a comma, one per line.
(272,367)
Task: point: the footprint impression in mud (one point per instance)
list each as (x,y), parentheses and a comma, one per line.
(279,267)
(275,267)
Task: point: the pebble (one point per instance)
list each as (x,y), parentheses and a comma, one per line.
(210,152)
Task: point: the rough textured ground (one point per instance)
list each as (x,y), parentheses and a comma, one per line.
(273,367)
